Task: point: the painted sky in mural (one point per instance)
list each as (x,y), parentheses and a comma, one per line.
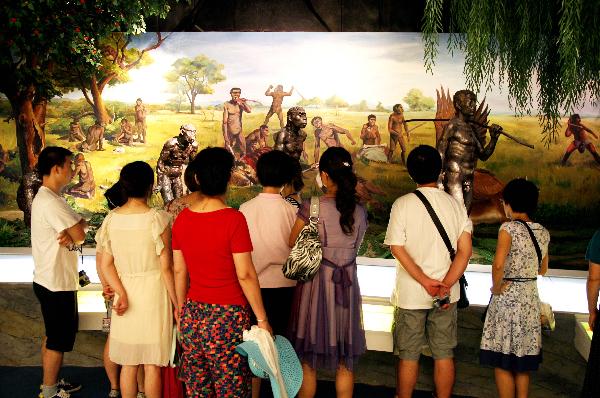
(355,66)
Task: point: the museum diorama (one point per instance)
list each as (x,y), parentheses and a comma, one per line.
(498,96)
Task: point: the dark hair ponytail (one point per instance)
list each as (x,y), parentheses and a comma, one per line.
(337,163)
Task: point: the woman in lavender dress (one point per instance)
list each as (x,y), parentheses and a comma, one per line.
(326,326)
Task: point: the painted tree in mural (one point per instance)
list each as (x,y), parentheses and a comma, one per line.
(552,43)
(308,102)
(40,40)
(117,58)
(417,101)
(336,102)
(196,76)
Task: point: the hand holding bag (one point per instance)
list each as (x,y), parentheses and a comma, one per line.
(305,257)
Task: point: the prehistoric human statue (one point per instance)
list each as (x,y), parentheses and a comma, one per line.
(372,150)
(256,145)
(291,138)
(176,152)
(75,133)
(329,134)
(462,144)
(233,135)
(140,120)
(86,187)
(94,139)
(125,135)
(275,109)
(581,142)
(397,128)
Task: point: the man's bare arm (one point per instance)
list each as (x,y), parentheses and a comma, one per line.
(461,260)
(377,136)
(317,148)
(224,128)
(363,132)
(431,285)
(269,93)
(289,92)
(341,130)
(592,287)
(77,231)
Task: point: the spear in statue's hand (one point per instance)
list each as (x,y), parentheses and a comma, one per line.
(504,133)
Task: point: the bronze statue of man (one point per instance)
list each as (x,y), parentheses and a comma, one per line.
(275,109)
(291,138)
(461,145)
(176,152)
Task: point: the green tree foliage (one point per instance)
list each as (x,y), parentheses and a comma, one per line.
(381,108)
(314,101)
(40,38)
(117,58)
(195,76)
(335,102)
(417,101)
(553,43)
(362,106)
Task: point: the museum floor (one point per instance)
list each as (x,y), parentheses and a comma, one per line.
(561,373)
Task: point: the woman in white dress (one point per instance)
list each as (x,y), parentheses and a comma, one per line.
(134,240)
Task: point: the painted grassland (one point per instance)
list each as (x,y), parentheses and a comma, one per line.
(569,196)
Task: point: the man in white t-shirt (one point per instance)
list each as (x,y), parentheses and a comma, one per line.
(55,228)
(424,272)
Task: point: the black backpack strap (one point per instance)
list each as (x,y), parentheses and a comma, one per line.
(538,251)
(438,223)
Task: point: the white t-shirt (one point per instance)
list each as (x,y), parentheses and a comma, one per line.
(270,220)
(411,226)
(55,267)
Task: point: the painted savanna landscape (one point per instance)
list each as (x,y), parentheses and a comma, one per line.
(343,79)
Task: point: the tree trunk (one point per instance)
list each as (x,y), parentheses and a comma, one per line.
(100,111)
(30,133)
(192,106)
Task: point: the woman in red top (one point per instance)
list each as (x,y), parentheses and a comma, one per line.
(212,247)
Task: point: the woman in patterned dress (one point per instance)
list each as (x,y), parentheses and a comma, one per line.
(215,283)
(512,336)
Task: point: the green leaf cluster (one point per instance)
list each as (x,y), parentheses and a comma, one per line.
(40,37)
(552,43)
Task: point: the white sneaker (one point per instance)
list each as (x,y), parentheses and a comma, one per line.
(59,394)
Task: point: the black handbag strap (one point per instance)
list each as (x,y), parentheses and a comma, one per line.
(438,223)
(538,251)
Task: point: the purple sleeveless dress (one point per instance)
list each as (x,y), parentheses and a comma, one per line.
(326,325)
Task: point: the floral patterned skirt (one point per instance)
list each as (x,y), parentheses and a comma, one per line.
(512,335)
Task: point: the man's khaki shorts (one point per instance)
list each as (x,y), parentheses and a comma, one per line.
(414,329)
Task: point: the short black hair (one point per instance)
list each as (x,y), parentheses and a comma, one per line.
(136,179)
(312,121)
(263,126)
(297,181)
(521,195)
(189,177)
(213,166)
(424,164)
(274,169)
(115,197)
(371,116)
(52,156)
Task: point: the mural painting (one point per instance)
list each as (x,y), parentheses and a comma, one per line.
(367,92)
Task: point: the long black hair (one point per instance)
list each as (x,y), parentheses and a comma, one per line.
(337,163)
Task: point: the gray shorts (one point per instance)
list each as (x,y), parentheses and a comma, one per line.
(414,329)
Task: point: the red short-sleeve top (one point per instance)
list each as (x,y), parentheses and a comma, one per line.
(207,242)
